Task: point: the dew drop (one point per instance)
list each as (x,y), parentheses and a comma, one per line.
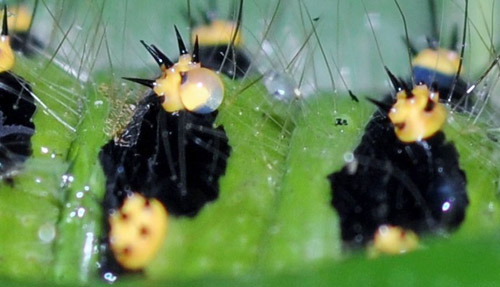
(47,232)
(348,157)
(110,277)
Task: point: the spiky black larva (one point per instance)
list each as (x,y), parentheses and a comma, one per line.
(414,182)
(163,155)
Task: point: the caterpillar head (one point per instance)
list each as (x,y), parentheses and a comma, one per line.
(21,20)
(439,60)
(416,114)
(7,58)
(184,85)
(137,231)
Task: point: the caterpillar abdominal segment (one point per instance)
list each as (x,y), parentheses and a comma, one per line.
(17,108)
(171,152)
(404,171)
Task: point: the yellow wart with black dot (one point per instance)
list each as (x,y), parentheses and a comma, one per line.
(137,231)
(417,114)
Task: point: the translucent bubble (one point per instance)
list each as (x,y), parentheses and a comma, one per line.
(281,86)
(47,232)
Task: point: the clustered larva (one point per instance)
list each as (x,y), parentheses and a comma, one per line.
(404,179)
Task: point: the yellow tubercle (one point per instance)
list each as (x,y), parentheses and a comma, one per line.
(137,231)
(418,115)
(218,32)
(441,60)
(390,239)
(188,86)
(168,85)
(184,64)
(7,58)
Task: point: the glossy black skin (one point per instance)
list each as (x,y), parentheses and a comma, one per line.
(144,166)
(17,107)
(399,184)
(26,43)
(139,162)
(236,63)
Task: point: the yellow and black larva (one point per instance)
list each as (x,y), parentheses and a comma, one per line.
(221,44)
(16,110)
(441,66)
(404,172)
(171,154)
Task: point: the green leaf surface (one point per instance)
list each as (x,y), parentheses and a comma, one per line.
(304,227)
(30,205)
